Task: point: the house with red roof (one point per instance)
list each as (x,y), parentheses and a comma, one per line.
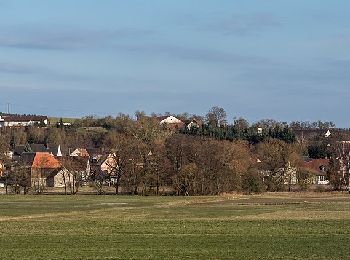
(45,171)
(48,171)
(318,167)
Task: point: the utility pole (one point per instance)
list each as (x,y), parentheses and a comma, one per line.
(8,108)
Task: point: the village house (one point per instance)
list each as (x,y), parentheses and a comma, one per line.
(104,166)
(75,169)
(318,168)
(45,171)
(171,122)
(195,123)
(80,152)
(36,148)
(109,163)
(9,120)
(54,149)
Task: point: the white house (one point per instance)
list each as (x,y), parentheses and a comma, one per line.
(195,123)
(110,163)
(170,120)
(22,120)
(80,152)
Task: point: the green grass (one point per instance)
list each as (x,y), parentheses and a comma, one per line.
(270,226)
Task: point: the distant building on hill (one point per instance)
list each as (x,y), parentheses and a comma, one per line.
(170,122)
(11,120)
(194,123)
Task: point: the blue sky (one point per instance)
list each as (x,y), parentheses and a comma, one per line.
(281,59)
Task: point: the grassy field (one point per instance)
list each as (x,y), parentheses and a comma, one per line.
(270,226)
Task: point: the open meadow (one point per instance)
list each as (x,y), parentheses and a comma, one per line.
(269,226)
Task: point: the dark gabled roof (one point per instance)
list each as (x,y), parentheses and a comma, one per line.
(27,158)
(32,148)
(52,148)
(19,149)
(36,148)
(23,118)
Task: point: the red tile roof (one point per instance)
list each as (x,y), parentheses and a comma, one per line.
(315,165)
(44,160)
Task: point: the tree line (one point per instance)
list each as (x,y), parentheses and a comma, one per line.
(211,158)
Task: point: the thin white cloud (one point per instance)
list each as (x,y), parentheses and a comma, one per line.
(40,72)
(191,53)
(242,25)
(64,39)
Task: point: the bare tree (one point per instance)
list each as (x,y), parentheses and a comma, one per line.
(72,172)
(20,178)
(216,117)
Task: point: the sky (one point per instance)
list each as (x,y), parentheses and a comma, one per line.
(287,60)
